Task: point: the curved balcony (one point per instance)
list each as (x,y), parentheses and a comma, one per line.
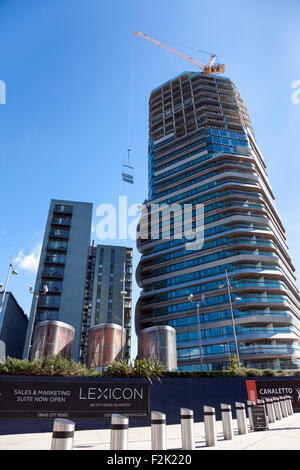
(243,234)
(267,351)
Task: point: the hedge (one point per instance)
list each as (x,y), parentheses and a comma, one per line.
(59,366)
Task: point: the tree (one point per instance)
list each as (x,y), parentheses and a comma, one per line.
(234,363)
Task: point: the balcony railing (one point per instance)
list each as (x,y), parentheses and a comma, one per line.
(58,233)
(61,220)
(53,272)
(61,209)
(275,350)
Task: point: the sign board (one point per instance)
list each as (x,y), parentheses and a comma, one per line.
(41,399)
(259,418)
(275,388)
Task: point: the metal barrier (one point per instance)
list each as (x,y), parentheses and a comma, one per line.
(119,432)
(250,405)
(270,410)
(227,421)
(241,418)
(283,407)
(62,435)
(277,408)
(210,425)
(187,429)
(158,431)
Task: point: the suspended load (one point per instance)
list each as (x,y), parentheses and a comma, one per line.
(127,173)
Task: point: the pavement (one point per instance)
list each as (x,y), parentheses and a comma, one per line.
(284,434)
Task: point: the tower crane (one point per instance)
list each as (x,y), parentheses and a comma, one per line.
(208,69)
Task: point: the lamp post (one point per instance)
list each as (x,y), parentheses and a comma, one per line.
(190,298)
(123,293)
(229,288)
(13,271)
(37,295)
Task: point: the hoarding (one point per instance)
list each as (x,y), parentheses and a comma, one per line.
(40,399)
(274,388)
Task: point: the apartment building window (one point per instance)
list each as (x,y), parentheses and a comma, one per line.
(60,208)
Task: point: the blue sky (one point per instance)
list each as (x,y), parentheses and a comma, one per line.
(77,90)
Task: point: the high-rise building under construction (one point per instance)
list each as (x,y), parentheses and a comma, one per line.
(202,151)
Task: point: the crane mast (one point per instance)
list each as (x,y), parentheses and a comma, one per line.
(208,69)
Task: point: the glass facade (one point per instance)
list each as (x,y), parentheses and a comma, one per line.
(103,300)
(202,150)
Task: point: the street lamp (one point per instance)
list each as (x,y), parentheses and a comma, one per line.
(11,270)
(190,298)
(37,295)
(237,299)
(123,293)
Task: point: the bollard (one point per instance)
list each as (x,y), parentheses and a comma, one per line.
(283,406)
(63,434)
(158,431)
(210,426)
(289,405)
(227,421)
(118,432)
(270,410)
(291,402)
(187,429)
(241,418)
(277,408)
(250,405)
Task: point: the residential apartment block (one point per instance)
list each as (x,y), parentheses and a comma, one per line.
(103,302)
(63,268)
(203,151)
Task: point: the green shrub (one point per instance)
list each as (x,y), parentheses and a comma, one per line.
(147,368)
(152,369)
(294,372)
(240,372)
(49,366)
(56,365)
(253,372)
(269,373)
(231,372)
(118,369)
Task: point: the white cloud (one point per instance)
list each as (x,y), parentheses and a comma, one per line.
(29,262)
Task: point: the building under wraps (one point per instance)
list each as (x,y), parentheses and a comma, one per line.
(52,337)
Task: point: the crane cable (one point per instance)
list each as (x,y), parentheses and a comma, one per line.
(131,95)
(185,47)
